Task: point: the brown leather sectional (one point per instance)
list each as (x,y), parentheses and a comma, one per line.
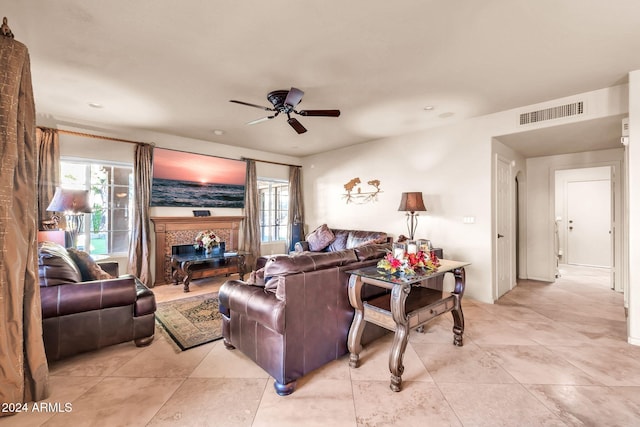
(80,315)
(297,318)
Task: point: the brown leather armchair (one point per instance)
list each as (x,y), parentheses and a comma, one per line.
(81,313)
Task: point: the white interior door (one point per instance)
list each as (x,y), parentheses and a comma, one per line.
(503,227)
(589,223)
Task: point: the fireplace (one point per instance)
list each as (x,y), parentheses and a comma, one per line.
(174,231)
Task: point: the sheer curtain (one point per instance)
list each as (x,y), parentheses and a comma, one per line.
(139,247)
(24,373)
(48,170)
(251,223)
(296,206)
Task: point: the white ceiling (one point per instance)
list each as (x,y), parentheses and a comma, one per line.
(172,66)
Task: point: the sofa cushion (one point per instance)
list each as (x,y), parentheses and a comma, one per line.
(320,238)
(360,238)
(340,243)
(89,270)
(308,261)
(373,251)
(55,266)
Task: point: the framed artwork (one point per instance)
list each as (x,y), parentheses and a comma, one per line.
(184,179)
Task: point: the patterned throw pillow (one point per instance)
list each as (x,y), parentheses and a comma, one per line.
(320,238)
(87,266)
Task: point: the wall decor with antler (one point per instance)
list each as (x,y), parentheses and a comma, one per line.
(354,193)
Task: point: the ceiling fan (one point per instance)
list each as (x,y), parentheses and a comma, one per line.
(285,102)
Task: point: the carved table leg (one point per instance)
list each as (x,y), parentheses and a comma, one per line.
(175,273)
(458,317)
(357,325)
(399,295)
(397,354)
(186,267)
(241,266)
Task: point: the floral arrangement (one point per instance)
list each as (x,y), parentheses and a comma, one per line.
(410,264)
(207,240)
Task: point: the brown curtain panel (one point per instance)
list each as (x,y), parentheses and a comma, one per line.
(296,206)
(139,247)
(251,224)
(48,170)
(24,374)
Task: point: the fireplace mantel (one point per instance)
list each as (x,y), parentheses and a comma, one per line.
(181,230)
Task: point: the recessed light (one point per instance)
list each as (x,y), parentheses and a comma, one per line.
(95,105)
(218,132)
(428,108)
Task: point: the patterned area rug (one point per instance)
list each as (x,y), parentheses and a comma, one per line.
(192,321)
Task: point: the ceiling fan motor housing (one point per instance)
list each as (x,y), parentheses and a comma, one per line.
(277,98)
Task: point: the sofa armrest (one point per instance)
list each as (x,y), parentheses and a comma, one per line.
(254,302)
(145,300)
(72,298)
(301,246)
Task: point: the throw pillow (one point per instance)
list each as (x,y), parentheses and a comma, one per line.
(320,238)
(256,278)
(87,266)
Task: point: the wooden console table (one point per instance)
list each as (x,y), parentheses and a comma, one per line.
(198,266)
(409,305)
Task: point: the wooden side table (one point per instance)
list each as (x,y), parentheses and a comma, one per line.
(409,305)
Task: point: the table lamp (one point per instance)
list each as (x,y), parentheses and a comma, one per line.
(411,203)
(73,204)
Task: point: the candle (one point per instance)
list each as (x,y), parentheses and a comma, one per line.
(398,250)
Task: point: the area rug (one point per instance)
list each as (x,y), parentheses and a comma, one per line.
(191,321)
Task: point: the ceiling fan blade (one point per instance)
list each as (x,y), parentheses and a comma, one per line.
(320,113)
(252,105)
(294,97)
(264,119)
(296,125)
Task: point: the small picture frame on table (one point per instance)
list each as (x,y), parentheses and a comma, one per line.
(202,213)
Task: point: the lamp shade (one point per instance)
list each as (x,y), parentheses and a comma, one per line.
(412,202)
(64,200)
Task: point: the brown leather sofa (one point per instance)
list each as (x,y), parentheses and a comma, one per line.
(84,309)
(297,317)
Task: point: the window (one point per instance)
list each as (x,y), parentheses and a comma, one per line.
(274,210)
(107,229)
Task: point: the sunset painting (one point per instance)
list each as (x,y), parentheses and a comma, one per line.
(197,180)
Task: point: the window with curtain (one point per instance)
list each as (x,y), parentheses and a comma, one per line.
(107,229)
(274,210)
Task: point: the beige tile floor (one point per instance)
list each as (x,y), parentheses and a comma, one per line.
(545,354)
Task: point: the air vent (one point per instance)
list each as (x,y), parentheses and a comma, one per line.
(567,110)
(625,126)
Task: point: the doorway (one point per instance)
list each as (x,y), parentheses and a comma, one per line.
(584,219)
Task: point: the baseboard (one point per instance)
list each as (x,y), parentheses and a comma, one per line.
(633,341)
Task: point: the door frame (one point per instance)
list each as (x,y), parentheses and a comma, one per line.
(618,279)
(510,225)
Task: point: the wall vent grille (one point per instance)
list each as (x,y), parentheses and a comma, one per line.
(567,110)
(625,126)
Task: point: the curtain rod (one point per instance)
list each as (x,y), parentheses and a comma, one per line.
(89,135)
(273,163)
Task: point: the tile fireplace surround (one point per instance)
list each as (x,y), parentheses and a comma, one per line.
(171,231)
